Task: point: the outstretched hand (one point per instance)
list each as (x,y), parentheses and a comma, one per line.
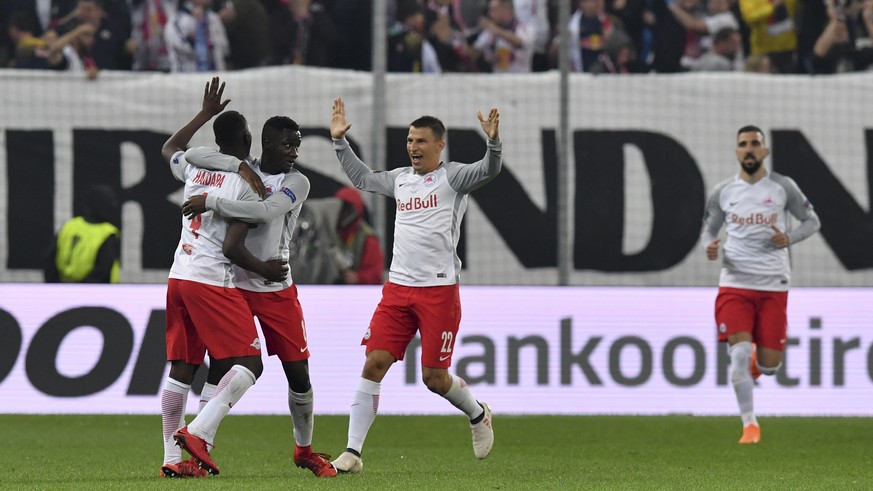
(338,124)
(212,103)
(490,125)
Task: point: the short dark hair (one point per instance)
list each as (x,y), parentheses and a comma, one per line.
(435,125)
(277,124)
(229,128)
(748,129)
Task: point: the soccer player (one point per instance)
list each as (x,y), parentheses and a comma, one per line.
(274,303)
(204,310)
(755,207)
(422,289)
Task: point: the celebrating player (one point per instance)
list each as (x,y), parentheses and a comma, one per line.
(754,208)
(275,303)
(204,310)
(421,294)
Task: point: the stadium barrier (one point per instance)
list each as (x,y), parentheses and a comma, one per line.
(525,350)
(645,150)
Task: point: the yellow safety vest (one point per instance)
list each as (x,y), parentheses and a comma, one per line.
(79,242)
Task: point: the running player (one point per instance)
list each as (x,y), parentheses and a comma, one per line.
(755,207)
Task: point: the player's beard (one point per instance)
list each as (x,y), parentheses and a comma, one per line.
(750,167)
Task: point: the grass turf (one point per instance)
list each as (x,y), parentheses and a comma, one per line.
(412,453)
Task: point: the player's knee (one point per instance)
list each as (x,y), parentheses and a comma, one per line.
(769,370)
(254,364)
(437,382)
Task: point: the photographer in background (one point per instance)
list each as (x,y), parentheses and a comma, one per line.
(845,44)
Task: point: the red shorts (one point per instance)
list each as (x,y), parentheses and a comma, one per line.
(434,311)
(203,317)
(281,319)
(760,313)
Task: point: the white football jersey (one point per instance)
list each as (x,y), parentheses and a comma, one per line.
(430,208)
(199,255)
(749,211)
(275,217)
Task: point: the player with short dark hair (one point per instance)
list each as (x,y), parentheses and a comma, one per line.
(275,303)
(204,309)
(421,294)
(755,207)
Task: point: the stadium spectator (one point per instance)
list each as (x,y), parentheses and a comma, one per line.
(421,294)
(29,50)
(726,44)
(718,16)
(249,41)
(632,15)
(410,49)
(304,33)
(773,31)
(446,32)
(590,27)
(505,44)
(618,57)
(42,12)
(673,42)
(204,310)
(755,207)
(107,45)
(87,249)
(535,15)
(147,45)
(845,44)
(74,50)
(196,39)
(358,242)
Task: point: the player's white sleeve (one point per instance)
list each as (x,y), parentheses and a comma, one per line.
(294,191)
(465,178)
(801,209)
(178,165)
(363,177)
(713,217)
(211,159)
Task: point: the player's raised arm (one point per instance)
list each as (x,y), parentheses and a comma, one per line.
(338,124)
(359,173)
(212,106)
(490,125)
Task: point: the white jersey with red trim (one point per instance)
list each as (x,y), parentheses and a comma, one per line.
(430,208)
(271,240)
(275,217)
(749,211)
(199,255)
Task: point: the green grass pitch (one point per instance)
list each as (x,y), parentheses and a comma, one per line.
(434,453)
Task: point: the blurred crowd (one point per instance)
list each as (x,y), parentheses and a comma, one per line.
(439,36)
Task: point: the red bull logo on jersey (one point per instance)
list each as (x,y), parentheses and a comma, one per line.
(429,180)
(188,248)
(414,204)
(754,219)
(211,179)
